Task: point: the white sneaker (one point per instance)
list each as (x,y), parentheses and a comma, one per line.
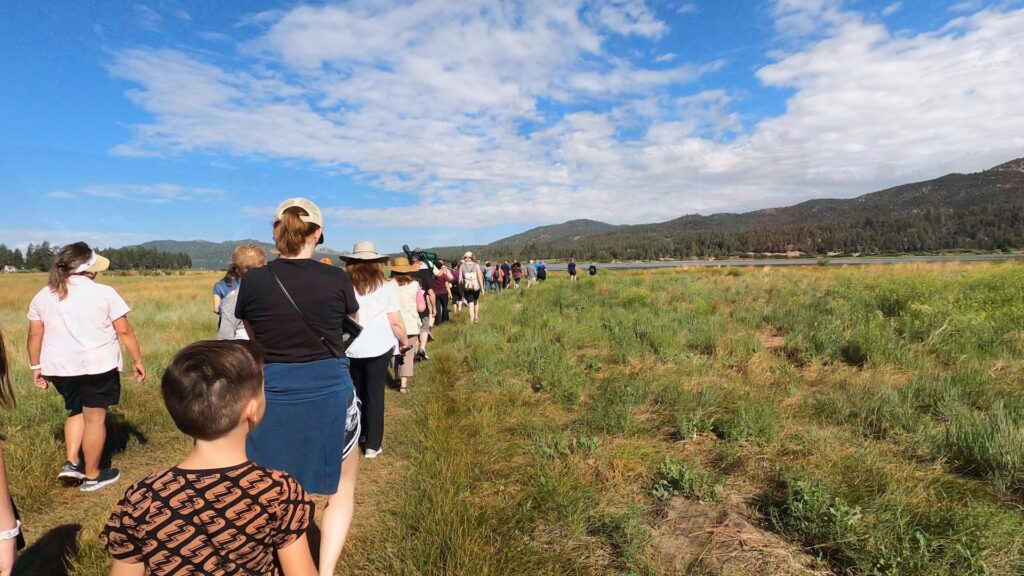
(372,453)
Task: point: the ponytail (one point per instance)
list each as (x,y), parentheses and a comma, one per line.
(6,392)
(291,232)
(70,257)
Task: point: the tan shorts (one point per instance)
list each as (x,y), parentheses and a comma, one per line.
(409,360)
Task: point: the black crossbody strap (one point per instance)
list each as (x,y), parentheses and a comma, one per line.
(309,326)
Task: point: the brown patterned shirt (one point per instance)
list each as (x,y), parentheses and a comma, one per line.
(221,522)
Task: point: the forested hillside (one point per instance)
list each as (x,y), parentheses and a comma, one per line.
(980,211)
(216,255)
(40,258)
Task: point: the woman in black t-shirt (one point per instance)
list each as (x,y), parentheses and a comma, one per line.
(311,421)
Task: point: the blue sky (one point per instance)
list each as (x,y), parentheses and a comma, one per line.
(441,122)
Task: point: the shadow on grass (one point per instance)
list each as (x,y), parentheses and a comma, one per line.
(119,434)
(49,554)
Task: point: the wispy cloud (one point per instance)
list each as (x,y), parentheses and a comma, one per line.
(146,17)
(892,8)
(151,193)
(526,113)
(61,195)
(60,236)
(630,17)
(967,6)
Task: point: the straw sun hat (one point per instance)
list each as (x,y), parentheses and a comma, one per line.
(401,265)
(363,251)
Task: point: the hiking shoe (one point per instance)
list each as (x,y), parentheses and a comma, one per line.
(105,478)
(71,471)
(370,453)
(423,354)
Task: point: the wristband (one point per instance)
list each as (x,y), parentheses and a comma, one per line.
(35,366)
(12,533)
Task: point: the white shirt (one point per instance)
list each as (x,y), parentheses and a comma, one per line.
(78,332)
(376,339)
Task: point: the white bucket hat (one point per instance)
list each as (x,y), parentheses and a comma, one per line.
(363,251)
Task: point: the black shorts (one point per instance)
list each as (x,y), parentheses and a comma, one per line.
(472,296)
(89,391)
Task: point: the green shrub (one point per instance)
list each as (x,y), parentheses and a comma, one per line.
(757,420)
(610,409)
(989,445)
(628,535)
(695,412)
(685,479)
(809,511)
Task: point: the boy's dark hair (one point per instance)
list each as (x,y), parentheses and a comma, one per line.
(208,383)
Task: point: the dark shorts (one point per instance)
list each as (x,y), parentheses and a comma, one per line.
(472,296)
(89,391)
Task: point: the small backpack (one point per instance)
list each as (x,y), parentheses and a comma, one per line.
(470,280)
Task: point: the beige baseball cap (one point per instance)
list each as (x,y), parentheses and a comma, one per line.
(313,211)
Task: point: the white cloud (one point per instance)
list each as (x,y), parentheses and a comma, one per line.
(687,8)
(630,17)
(61,195)
(967,6)
(151,193)
(892,8)
(62,236)
(146,17)
(800,18)
(667,57)
(450,105)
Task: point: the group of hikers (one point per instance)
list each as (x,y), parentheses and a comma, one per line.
(279,406)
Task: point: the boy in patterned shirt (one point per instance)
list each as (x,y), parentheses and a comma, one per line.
(216,513)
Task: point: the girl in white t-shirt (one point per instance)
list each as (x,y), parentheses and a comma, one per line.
(76,329)
(383,331)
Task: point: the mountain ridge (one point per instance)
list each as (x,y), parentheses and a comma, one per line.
(207,255)
(948,212)
(981,210)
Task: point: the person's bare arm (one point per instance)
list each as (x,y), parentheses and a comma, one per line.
(216,303)
(295,558)
(35,350)
(126,335)
(9,547)
(398,328)
(122,568)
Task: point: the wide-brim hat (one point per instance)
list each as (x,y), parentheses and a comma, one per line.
(314,216)
(363,251)
(94,264)
(401,265)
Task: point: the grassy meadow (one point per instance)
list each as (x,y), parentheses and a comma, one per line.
(861,420)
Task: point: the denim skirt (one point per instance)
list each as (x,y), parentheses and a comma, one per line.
(303,430)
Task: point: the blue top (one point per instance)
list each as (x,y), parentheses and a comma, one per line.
(572,268)
(222,288)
